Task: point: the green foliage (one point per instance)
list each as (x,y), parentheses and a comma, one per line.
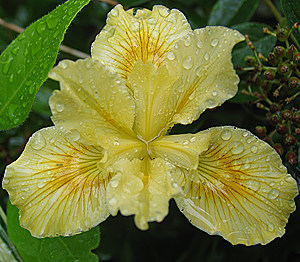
(59,249)
(231,12)
(25,63)
(291,10)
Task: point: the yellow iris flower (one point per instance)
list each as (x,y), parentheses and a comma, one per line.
(109,151)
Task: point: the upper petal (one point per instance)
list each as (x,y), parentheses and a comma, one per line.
(241,190)
(202,59)
(142,188)
(146,35)
(93,105)
(58,185)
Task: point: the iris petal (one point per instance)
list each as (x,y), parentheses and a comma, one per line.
(58,185)
(240,190)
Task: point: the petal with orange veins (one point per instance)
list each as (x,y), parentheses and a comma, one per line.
(93,105)
(142,188)
(202,59)
(138,35)
(58,185)
(240,190)
(151,86)
(181,150)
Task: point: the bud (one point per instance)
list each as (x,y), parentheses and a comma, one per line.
(284,69)
(261,131)
(275,108)
(266,85)
(278,147)
(294,83)
(279,51)
(272,59)
(296,58)
(282,34)
(291,157)
(281,129)
(286,114)
(296,117)
(289,140)
(269,74)
(274,119)
(250,60)
(290,52)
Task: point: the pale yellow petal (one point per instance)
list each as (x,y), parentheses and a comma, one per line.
(151,86)
(203,61)
(241,190)
(145,35)
(58,185)
(142,188)
(93,105)
(181,150)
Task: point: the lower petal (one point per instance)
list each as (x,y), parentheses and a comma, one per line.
(241,190)
(57,185)
(142,188)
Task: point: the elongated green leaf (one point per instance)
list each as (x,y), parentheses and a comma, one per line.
(231,12)
(264,43)
(59,249)
(25,63)
(291,10)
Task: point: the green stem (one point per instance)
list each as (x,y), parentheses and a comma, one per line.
(274,11)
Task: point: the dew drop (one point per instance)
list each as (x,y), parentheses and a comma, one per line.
(273,194)
(254,149)
(136,26)
(52,21)
(214,93)
(5,181)
(226,135)
(206,56)
(40,27)
(198,71)
(73,135)
(63,64)
(114,12)
(289,179)
(7,65)
(199,44)
(192,139)
(15,50)
(187,62)
(270,227)
(171,55)
(237,148)
(113,201)
(253,184)
(59,107)
(187,40)
(155,34)
(38,141)
(31,89)
(11,78)
(210,103)
(163,11)
(152,21)
(192,96)
(114,183)
(214,42)
(41,183)
(11,111)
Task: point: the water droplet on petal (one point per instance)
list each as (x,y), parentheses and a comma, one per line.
(237,148)
(187,62)
(254,149)
(136,26)
(63,64)
(187,40)
(210,103)
(270,227)
(152,21)
(214,42)
(114,12)
(273,194)
(171,55)
(252,184)
(113,201)
(73,135)
(199,44)
(59,107)
(214,93)
(155,34)
(114,183)
(5,181)
(163,11)
(193,139)
(226,135)
(206,56)
(198,71)
(38,141)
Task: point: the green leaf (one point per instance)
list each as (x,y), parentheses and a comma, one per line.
(291,10)
(230,12)
(264,43)
(25,63)
(59,249)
